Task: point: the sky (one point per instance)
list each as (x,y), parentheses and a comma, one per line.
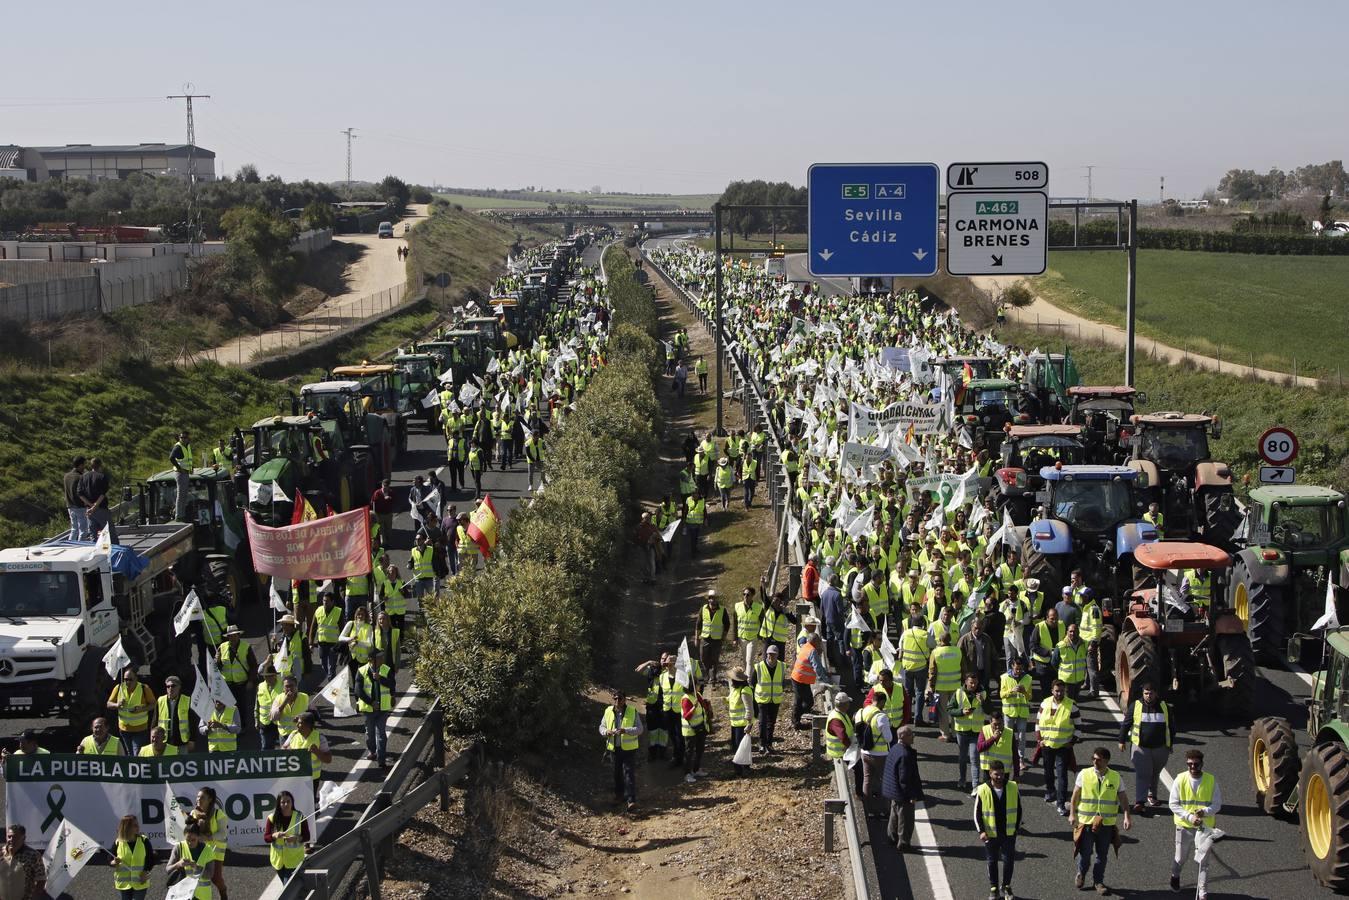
(684,97)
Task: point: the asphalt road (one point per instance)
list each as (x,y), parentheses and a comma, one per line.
(247,871)
(1260,856)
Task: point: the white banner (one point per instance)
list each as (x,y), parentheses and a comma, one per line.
(863,460)
(94,792)
(863,421)
(895,358)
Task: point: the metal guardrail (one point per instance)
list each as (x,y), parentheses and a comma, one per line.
(863,877)
(371,839)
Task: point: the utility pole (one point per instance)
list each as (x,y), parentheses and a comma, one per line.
(1163,196)
(1088,168)
(194,227)
(351,136)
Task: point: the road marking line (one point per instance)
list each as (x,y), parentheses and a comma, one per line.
(1115,711)
(930,850)
(1302,673)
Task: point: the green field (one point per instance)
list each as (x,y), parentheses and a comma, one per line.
(1268,310)
(541,199)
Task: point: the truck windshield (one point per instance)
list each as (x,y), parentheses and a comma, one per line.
(1297,527)
(1092,505)
(419,370)
(1175,448)
(39,594)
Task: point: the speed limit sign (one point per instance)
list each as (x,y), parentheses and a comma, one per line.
(1278,446)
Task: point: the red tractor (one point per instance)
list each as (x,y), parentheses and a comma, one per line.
(1104,412)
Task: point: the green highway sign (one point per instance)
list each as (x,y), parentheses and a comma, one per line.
(996,208)
(856,191)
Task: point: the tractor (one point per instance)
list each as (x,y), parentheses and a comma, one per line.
(1088,519)
(1169,637)
(953,367)
(1025,450)
(984,406)
(420,377)
(1293,539)
(364,434)
(1316,788)
(1105,412)
(301,455)
(1048,377)
(461,351)
(382,393)
(1193,491)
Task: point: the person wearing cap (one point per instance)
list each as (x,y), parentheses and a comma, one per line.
(174,712)
(269,688)
(1069,612)
(134,704)
(290,649)
(621,728)
(748,619)
(839,733)
(710,628)
(725,480)
(159,743)
(903,787)
(767,679)
(657,737)
(325,629)
(740,713)
(237,665)
(807,670)
(287,706)
(221,729)
(374,697)
(306,736)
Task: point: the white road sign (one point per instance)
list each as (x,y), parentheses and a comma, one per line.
(997,232)
(1278,446)
(997,176)
(1277,475)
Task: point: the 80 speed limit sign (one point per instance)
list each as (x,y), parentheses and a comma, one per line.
(1278,446)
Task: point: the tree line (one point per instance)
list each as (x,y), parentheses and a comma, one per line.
(763,193)
(1325,179)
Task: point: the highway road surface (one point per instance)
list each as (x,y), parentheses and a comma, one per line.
(248,874)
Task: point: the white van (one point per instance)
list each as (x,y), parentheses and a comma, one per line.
(385,229)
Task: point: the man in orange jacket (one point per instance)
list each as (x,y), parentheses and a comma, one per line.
(807,670)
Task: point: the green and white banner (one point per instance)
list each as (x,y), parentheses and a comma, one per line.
(94,792)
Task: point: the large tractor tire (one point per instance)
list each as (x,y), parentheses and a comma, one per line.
(1262,607)
(1238,682)
(1108,646)
(1136,662)
(1035,564)
(1274,763)
(1220,516)
(1323,792)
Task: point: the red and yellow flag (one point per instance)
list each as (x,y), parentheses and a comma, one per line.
(908,434)
(483,525)
(966,374)
(304,510)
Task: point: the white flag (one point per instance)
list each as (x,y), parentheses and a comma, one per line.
(66,855)
(104,542)
(860,523)
(338,693)
(446,377)
(274,599)
(175,818)
(281,660)
(978,515)
(856,622)
(431,399)
(278,495)
(887,650)
(1017,639)
(668,534)
(493,366)
(1002,534)
(853,754)
(1330,619)
(201,699)
(468,393)
(115,660)
(957,497)
(934,521)
(183,890)
(190,610)
(216,683)
(330,792)
(684,665)
(744,754)
(255,492)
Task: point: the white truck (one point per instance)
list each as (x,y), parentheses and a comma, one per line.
(64,604)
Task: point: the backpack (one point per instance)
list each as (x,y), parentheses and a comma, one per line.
(866,738)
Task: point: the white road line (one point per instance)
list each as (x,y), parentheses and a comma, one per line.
(1111,705)
(930,850)
(1302,673)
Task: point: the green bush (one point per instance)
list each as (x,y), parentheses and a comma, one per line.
(1105,233)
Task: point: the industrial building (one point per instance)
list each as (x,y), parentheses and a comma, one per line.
(96,162)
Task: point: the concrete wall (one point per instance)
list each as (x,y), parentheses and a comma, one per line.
(131,282)
(312,241)
(50,299)
(27,271)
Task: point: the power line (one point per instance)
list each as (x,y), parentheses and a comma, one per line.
(351,136)
(194,227)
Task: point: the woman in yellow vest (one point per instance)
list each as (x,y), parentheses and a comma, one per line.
(194,857)
(740,712)
(132,860)
(213,826)
(359,637)
(286,833)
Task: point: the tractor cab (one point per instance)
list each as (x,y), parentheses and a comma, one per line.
(986,406)
(1026,449)
(1173,441)
(420,378)
(1049,376)
(1105,412)
(1178,633)
(954,366)
(460,351)
(363,433)
(382,393)
(489,327)
(1192,490)
(292,454)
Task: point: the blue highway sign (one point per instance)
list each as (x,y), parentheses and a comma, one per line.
(876,219)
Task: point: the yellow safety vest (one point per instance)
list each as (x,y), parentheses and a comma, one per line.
(1089,629)
(1045,646)
(868,714)
(697,511)
(132,872)
(878,599)
(132,719)
(689,726)
(1014,706)
(162,704)
(285,719)
(385,694)
(213,623)
(737,706)
(1199,587)
(713,625)
(111,748)
(724,478)
(1139,717)
(329,624)
(833,746)
(914,651)
(767,684)
(362,639)
(986,811)
(297,741)
(975,719)
(421,563)
(149,750)
(262,706)
(997,752)
(747,619)
(232,663)
(287,851)
(947,662)
(1072,662)
(195,865)
(395,604)
(1056,725)
(625,741)
(672,691)
(1098,797)
(1193,799)
(222,741)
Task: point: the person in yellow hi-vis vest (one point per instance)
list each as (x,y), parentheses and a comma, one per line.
(100,742)
(1195,804)
(287,833)
(1057,727)
(134,704)
(132,859)
(1097,803)
(374,697)
(196,859)
(621,729)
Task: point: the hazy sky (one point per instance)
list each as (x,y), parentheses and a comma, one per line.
(682,97)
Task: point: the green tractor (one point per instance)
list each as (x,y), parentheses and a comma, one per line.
(219,537)
(301,455)
(1292,540)
(420,376)
(1316,789)
(986,406)
(461,350)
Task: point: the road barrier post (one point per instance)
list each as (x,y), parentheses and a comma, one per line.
(832,807)
(371,864)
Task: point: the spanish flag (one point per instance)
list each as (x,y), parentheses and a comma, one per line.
(483,525)
(304,510)
(908,434)
(966,374)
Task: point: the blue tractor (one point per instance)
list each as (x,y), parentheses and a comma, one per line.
(1089,519)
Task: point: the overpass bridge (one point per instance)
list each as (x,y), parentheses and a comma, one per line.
(676,217)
